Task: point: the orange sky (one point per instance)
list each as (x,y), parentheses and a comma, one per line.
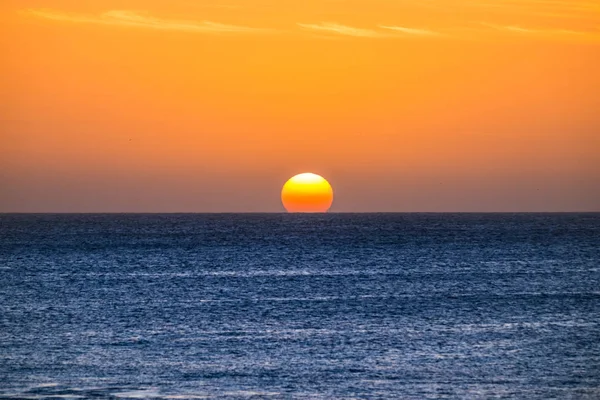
(204,106)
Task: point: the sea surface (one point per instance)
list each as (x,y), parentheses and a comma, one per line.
(329,306)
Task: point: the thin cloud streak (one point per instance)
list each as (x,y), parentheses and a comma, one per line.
(133,19)
(127,18)
(332,27)
(411,31)
(530,31)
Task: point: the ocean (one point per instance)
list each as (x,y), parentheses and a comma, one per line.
(295,306)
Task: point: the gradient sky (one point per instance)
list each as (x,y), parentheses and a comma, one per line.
(209,106)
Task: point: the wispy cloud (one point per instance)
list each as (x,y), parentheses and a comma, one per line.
(140,20)
(331,30)
(411,31)
(332,27)
(531,31)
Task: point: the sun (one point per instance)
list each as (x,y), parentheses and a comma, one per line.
(308,193)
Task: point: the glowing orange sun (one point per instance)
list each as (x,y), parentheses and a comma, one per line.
(307,193)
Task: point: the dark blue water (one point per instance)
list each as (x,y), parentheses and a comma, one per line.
(339,306)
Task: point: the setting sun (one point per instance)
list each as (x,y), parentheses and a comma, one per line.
(307,193)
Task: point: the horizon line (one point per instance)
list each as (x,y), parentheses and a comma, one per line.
(281,212)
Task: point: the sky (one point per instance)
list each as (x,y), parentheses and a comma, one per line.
(210,106)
